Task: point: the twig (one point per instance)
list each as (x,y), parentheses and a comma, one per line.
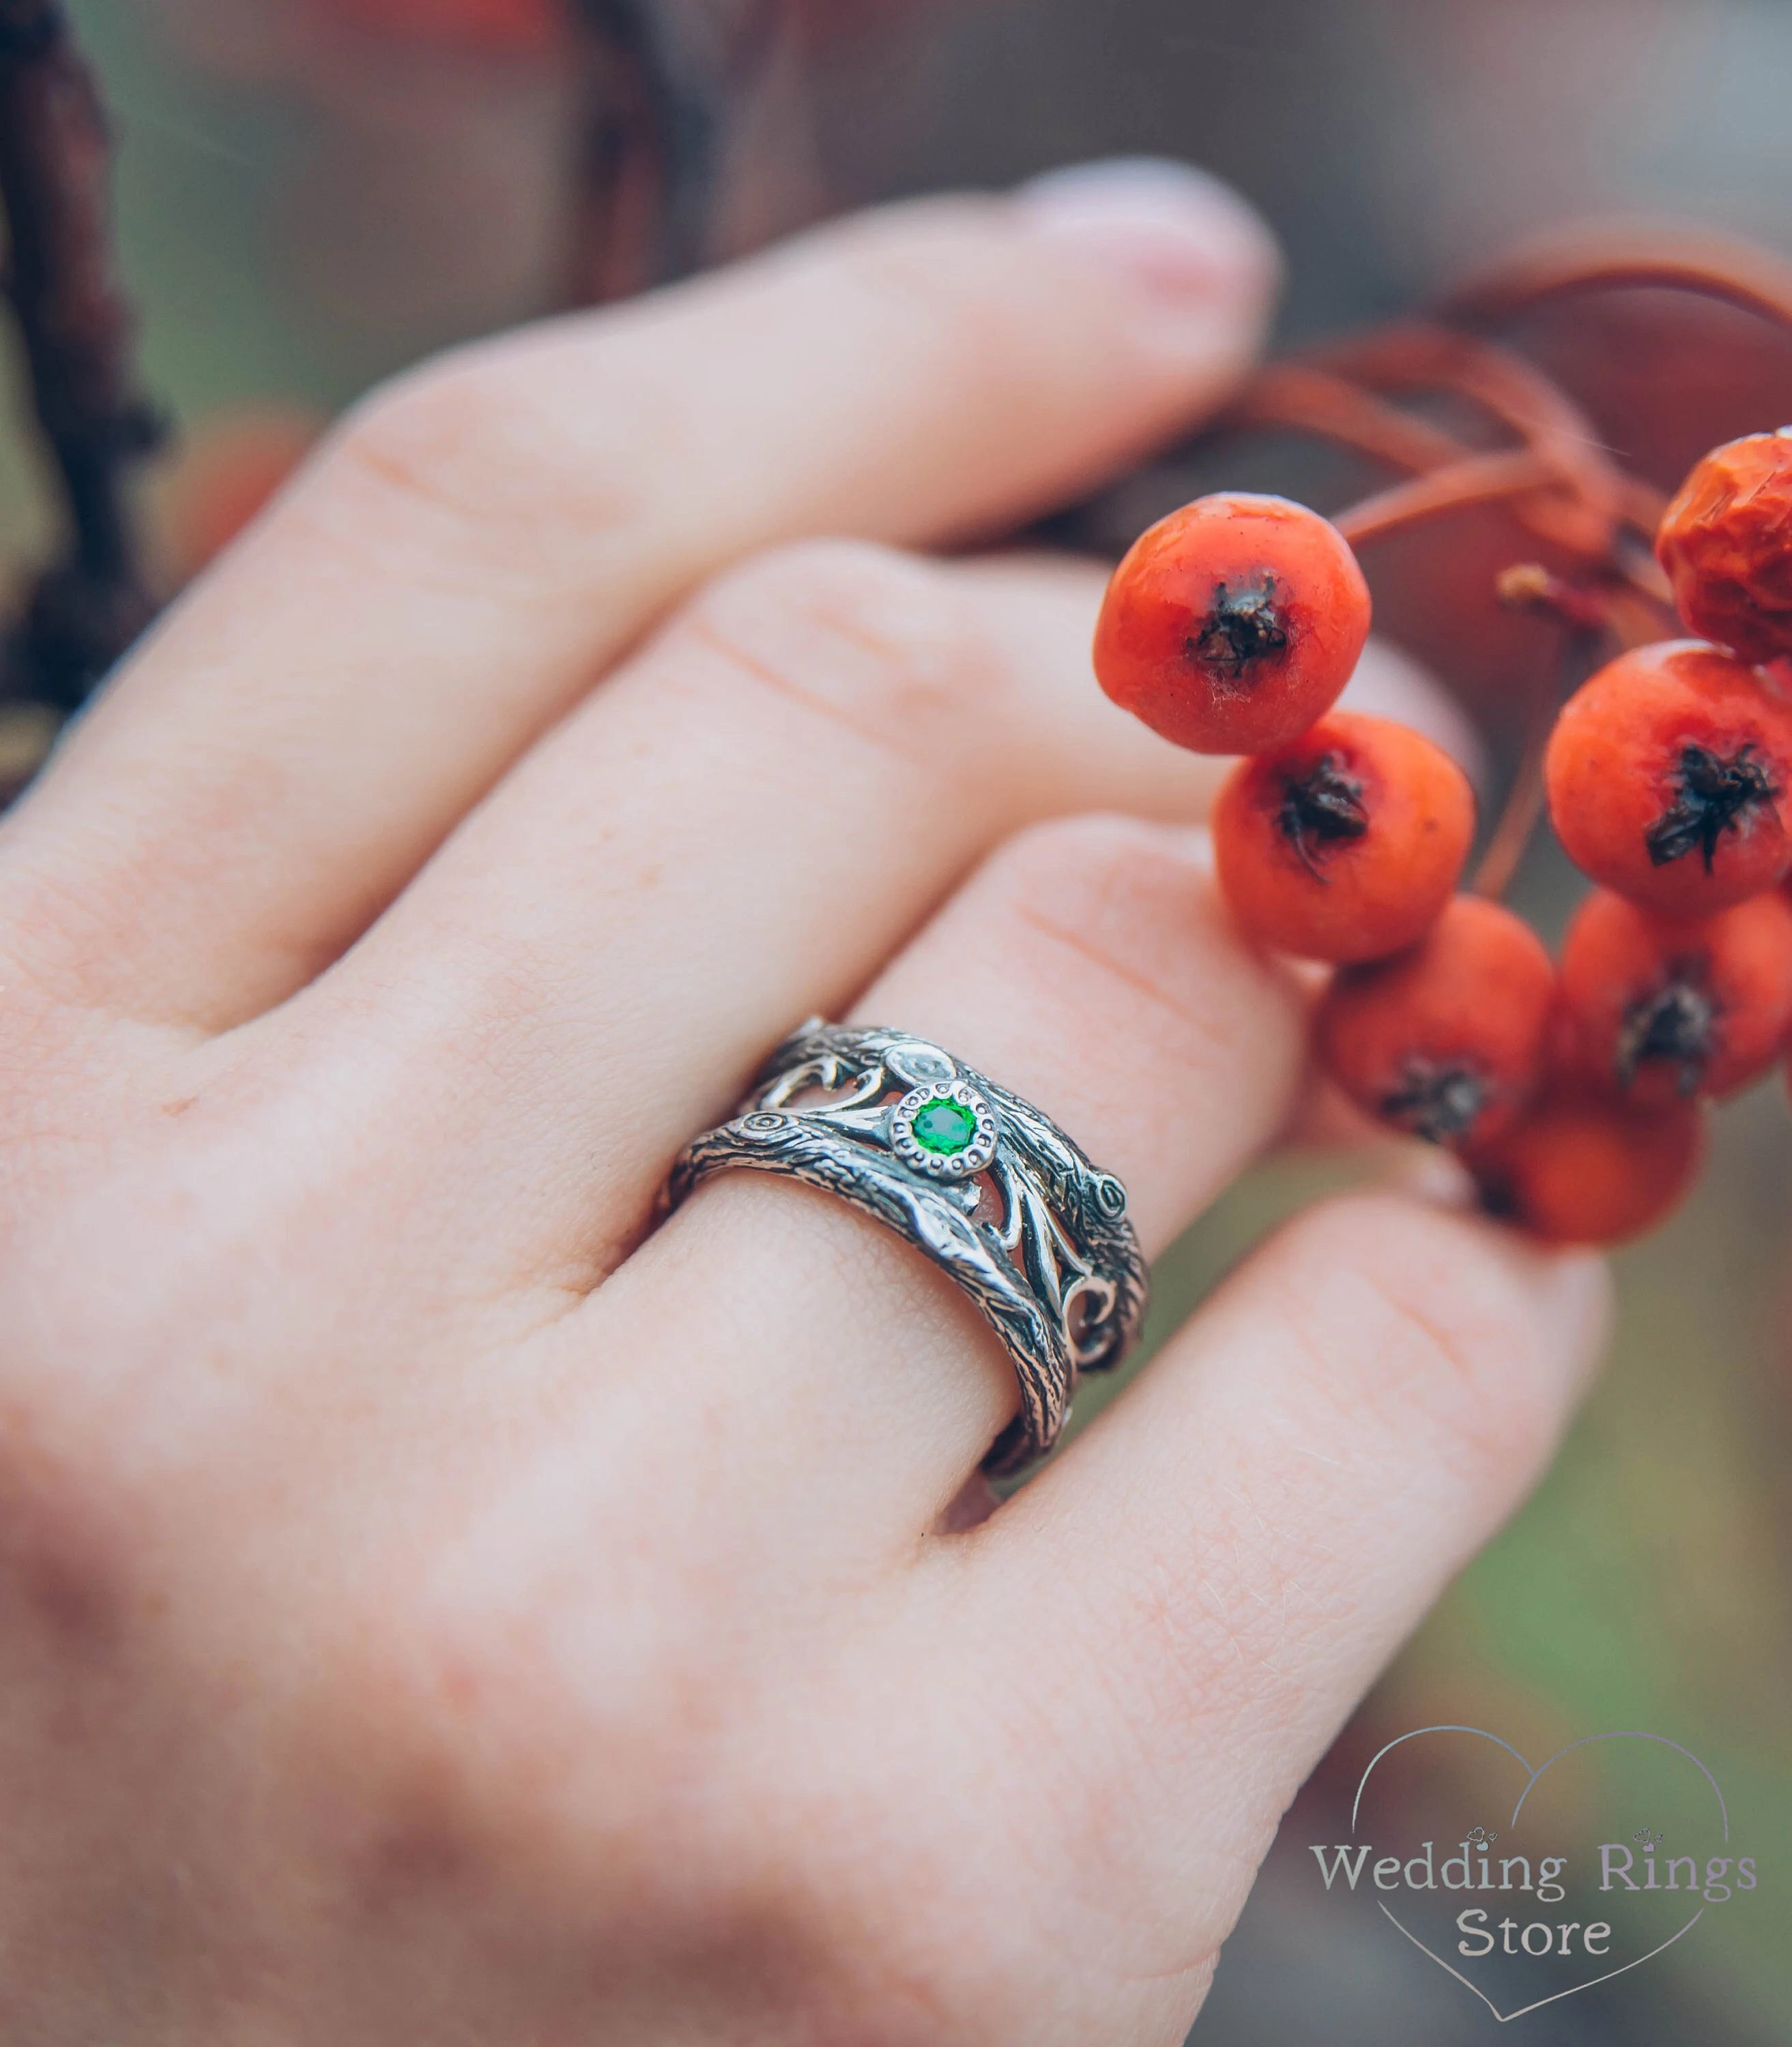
(1416,356)
(78,337)
(1482,479)
(659,91)
(1302,397)
(1523,809)
(1634,260)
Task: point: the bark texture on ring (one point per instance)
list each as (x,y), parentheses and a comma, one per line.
(1038,1238)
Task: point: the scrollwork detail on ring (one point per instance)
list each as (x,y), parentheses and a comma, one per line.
(973,1175)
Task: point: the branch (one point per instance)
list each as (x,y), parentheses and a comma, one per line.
(78,336)
(663,75)
(1634,259)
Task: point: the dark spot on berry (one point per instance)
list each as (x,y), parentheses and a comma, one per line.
(1676,1025)
(1245,626)
(1438,1100)
(1713,796)
(1318,809)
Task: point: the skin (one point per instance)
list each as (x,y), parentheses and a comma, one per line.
(435,1606)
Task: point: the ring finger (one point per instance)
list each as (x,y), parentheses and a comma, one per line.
(1089,967)
(482,543)
(743,824)
(742,827)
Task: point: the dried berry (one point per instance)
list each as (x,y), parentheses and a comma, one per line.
(1726,544)
(1232,624)
(1347,844)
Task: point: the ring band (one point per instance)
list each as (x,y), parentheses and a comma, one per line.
(989,1188)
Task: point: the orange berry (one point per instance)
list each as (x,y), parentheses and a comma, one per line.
(226,469)
(1447,1041)
(1726,544)
(1666,773)
(1233,624)
(1347,844)
(1664,1010)
(1583,1167)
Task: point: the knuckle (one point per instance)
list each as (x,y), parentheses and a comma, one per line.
(66,1562)
(475,441)
(1081,863)
(966,293)
(1445,1334)
(1133,905)
(891,646)
(466,1745)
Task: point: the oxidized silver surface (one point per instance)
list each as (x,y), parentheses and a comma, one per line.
(1016,1214)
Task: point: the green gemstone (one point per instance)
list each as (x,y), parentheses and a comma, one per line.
(943,1126)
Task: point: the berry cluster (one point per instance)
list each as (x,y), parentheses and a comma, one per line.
(1573,1090)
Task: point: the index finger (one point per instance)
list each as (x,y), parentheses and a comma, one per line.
(468,555)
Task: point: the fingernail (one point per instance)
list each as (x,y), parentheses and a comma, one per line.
(1187,243)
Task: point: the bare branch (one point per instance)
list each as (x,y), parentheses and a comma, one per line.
(664,75)
(78,338)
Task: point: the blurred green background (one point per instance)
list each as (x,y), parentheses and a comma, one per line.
(308,201)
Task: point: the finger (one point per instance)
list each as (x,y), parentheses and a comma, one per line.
(480,540)
(1089,966)
(734,834)
(1209,1580)
(1389,684)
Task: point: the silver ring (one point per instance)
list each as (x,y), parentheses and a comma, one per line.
(991,1190)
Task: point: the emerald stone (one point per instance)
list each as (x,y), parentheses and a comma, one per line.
(943,1126)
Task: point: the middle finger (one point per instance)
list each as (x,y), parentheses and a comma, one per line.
(741,827)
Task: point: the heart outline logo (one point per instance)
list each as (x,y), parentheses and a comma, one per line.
(1533,1776)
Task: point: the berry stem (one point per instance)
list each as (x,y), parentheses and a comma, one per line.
(1750,278)
(1523,809)
(1615,606)
(1529,586)
(1643,576)
(1481,479)
(1420,357)
(1301,397)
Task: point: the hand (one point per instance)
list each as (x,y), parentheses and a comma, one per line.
(437,1608)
